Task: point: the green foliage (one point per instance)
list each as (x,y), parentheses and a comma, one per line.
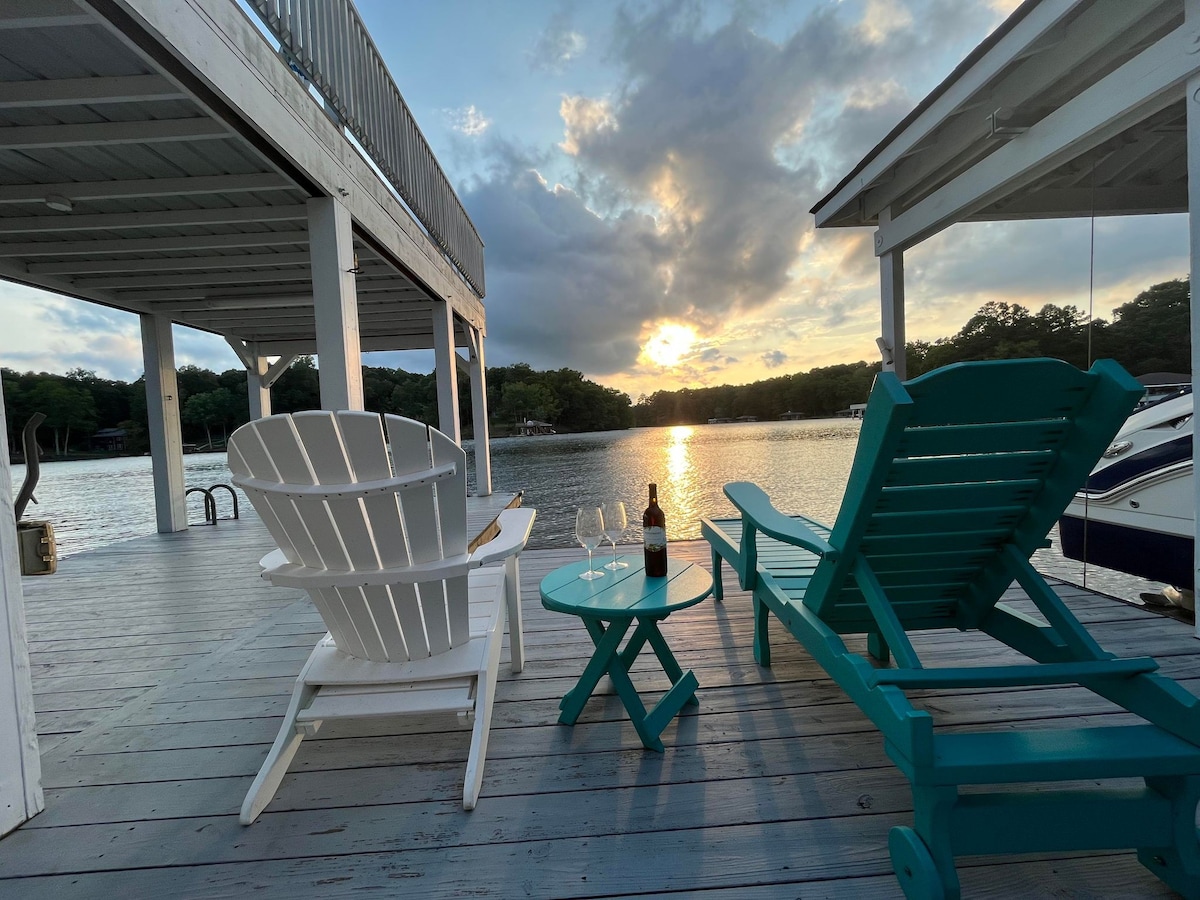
(562,397)
(820,392)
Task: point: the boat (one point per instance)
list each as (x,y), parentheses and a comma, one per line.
(1136,513)
(533,426)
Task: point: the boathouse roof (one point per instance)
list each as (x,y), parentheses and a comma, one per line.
(1095,91)
(158,158)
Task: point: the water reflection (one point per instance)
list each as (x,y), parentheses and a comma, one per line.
(681,489)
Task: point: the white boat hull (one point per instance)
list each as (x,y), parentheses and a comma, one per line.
(1136,513)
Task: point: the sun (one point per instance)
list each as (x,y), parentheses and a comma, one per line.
(669,344)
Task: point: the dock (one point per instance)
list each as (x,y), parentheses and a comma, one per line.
(161,667)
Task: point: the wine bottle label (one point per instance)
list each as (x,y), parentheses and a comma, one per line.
(655,538)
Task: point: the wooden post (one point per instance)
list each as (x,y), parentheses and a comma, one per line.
(256,386)
(891,295)
(260,374)
(446,370)
(339,353)
(162,408)
(1192,17)
(479,414)
(20,765)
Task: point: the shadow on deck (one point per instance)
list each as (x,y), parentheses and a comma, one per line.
(162,665)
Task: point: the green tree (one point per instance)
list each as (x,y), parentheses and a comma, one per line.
(1152,332)
(212,408)
(66,406)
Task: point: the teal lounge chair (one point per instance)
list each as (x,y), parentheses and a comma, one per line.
(958,477)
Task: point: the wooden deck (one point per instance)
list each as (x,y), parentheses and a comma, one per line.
(161,667)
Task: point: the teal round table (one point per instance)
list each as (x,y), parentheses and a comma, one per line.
(608,607)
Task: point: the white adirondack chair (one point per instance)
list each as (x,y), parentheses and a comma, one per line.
(415,624)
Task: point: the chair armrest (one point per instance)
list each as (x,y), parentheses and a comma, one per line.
(757,510)
(391,485)
(515,525)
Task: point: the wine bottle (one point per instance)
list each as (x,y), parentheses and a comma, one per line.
(654,536)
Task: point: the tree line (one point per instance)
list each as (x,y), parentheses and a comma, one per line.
(1150,333)
(79,404)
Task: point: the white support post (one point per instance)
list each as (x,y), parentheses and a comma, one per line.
(257,388)
(339,353)
(20,765)
(1192,20)
(260,374)
(162,407)
(891,295)
(479,414)
(446,370)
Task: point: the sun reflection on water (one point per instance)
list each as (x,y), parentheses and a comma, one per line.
(682,487)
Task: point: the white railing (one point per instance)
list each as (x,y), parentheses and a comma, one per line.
(328,42)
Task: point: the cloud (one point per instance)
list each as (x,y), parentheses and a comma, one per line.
(557,45)
(566,287)
(690,185)
(468,120)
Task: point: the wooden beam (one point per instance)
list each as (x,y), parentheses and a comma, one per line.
(80,91)
(335,304)
(146,187)
(1057,203)
(479,411)
(1143,86)
(40,137)
(203,284)
(162,407)
(243,261)
(154,245)
(446,371)
(369,344)
(21,14)
(132,281)
(891,298)
(163,218)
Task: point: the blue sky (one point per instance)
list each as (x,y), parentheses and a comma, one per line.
(641,174)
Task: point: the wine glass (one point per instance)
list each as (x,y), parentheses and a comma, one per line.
(589,531)
(613,513)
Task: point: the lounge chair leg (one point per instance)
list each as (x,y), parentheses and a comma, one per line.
(762,645)
(718,587)
(279,757)
(1179,864)
(877,646)
(934,875)
(914,867)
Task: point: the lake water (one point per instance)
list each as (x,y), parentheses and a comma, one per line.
(802,465)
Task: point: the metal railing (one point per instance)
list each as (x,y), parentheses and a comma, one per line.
(329,43)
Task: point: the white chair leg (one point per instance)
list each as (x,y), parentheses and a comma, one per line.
(485,694)
(512,596)
(287,742)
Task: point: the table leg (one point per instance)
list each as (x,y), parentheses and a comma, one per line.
(606,640)
(648,628)
(608,660)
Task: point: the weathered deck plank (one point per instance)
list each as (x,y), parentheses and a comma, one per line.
(162,668)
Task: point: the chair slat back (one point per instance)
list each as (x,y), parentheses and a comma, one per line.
(950,468)
(358,533)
